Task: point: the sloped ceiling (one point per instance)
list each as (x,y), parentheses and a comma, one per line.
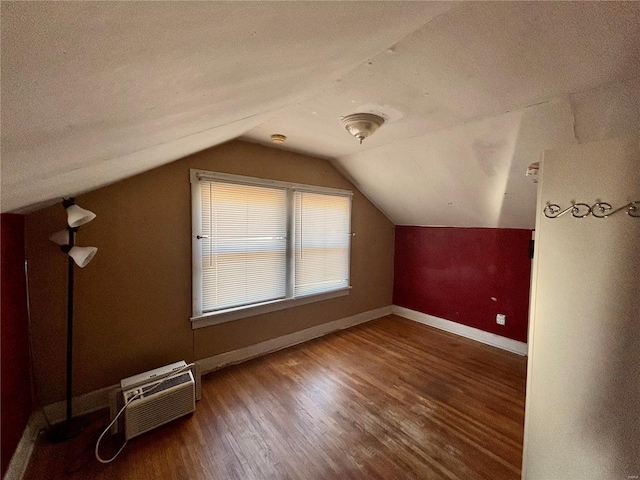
(472,93)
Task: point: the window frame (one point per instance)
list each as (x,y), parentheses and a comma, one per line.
(201,318)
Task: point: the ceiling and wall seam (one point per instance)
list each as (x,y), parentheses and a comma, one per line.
(346,175)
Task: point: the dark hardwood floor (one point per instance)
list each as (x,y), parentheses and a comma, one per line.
(389,399)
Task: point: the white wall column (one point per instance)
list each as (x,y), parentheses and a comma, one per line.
(583,395)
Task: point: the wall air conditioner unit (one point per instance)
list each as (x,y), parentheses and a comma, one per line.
(163,397)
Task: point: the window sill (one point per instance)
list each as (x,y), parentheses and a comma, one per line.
(231,314)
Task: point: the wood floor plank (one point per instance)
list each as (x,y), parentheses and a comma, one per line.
(388,399)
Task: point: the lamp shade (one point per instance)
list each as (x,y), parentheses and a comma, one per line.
(77,216)
(60,237)
(82,255)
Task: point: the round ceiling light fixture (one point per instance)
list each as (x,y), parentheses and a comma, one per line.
(362,125)
(278,138)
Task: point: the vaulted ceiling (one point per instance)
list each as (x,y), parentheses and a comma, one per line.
(472,93)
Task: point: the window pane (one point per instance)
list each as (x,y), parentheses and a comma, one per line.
(244,258)
(322,240)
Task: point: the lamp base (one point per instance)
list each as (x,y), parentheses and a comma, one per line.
(66,430)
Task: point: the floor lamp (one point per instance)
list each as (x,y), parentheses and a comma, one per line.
(81,256)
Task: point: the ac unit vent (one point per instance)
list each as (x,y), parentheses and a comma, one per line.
(160,402)
(167,384)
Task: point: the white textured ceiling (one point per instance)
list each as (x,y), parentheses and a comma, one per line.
(473,93)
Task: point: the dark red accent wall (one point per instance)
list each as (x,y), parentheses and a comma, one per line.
(16,402)
(456,273)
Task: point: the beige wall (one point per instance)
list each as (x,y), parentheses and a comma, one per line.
(582,416)
(133,301)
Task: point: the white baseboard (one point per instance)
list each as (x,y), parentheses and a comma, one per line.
(236,356)
(20,460)
(463,330)
(80,405)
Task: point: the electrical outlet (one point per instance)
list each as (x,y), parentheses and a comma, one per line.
(501,319)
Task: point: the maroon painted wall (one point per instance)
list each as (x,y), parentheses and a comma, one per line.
(16,402)
(453,273)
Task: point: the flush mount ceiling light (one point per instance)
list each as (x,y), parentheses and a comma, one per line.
(361,125)
(278,138)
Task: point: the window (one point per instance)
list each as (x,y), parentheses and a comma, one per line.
(261,245)
(322,238)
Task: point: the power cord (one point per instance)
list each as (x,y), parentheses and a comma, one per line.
(164,378)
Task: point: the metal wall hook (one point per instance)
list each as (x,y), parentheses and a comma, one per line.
(578,210)
(604,209)
(598,210)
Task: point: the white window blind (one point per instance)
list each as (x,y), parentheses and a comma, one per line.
(244,249)
(263,245)
(322,241)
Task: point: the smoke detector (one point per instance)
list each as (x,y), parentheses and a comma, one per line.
(362,125)
(278,138)
(532,171)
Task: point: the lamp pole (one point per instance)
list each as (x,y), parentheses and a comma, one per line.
(70,323)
